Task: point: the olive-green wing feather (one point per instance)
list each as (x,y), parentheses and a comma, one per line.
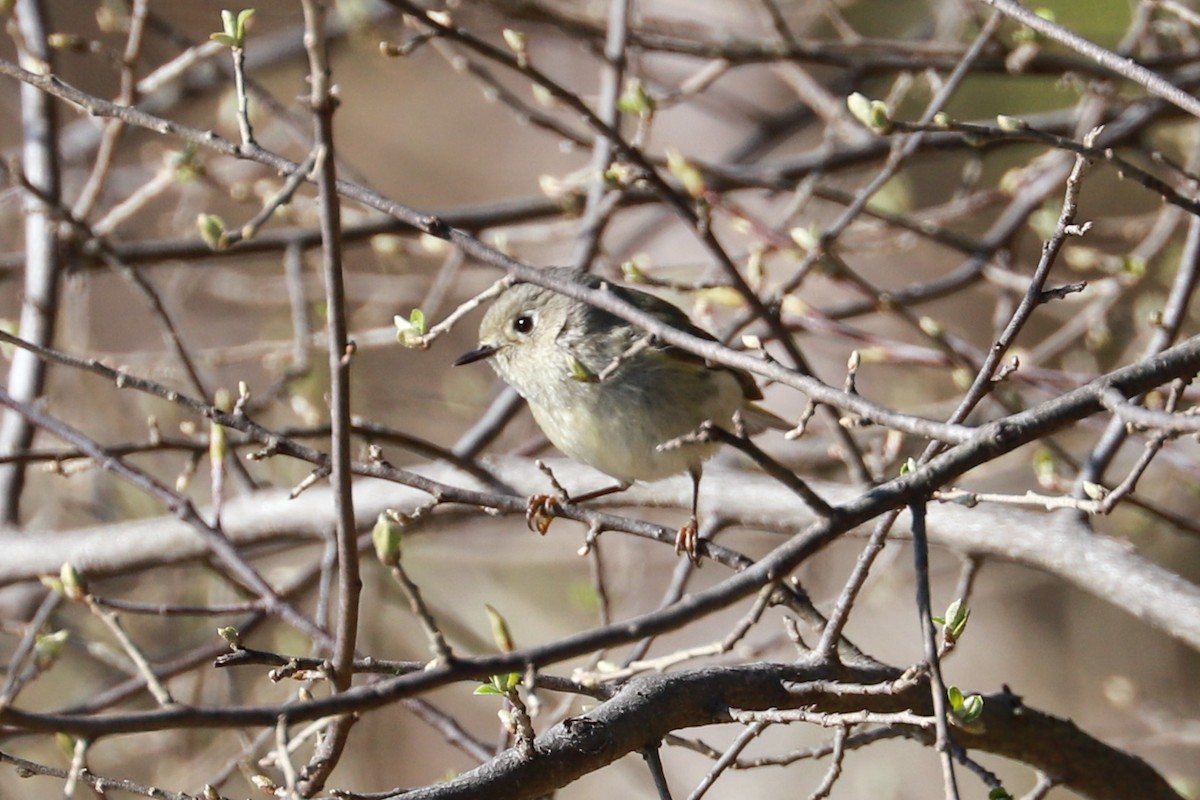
(597,320)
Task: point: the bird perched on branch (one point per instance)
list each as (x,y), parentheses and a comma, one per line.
(610,394)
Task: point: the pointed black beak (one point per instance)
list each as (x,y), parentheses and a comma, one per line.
(478,354)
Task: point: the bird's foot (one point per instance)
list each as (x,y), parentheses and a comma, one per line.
(688,540)
(540,511)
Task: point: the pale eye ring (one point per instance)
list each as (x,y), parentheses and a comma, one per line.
(523,323)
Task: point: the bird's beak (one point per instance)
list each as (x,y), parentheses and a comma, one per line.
(478,354)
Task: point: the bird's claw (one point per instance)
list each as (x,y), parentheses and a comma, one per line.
(688,540)
(540,512)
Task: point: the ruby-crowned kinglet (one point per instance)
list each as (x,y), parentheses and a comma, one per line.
(603,390)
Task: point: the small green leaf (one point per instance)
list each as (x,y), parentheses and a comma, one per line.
(955,621)
(500,684)
(999,793)
(233,28)
(972,708)
(242,18)
(411,332)
(966,708)
(487,688)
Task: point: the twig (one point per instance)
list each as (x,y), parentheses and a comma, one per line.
(836,759)
(854,583)
(749,734)
(941,709)
(322,105)
(243,101)
(834,719)
(437,641)
(1125,67)
(113,623)
(180,505)
(596,214)
(1030,498)
(463,309)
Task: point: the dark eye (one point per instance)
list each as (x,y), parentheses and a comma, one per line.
(523,323)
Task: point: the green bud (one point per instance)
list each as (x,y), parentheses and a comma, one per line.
(386,535)
(74,587)
(411,332)
(1011,124)
(955,621)
(231,635)
(48,647)
(636,100)
(931,327)
(212,231)
(686,173)
(873,114)
(501,635)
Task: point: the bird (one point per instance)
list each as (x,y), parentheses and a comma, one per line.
(609,394)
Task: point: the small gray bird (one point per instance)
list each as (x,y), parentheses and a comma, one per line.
(607,393)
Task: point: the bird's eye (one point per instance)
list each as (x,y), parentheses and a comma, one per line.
(523,323)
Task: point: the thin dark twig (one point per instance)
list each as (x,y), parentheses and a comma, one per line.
(17,677)
(743,740)
(1174,312)
(1125,67)
(712,432)
(98,782)
(655,765)
(854,583)
(596,214)
(322,104)
(941,709)
(177,503)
